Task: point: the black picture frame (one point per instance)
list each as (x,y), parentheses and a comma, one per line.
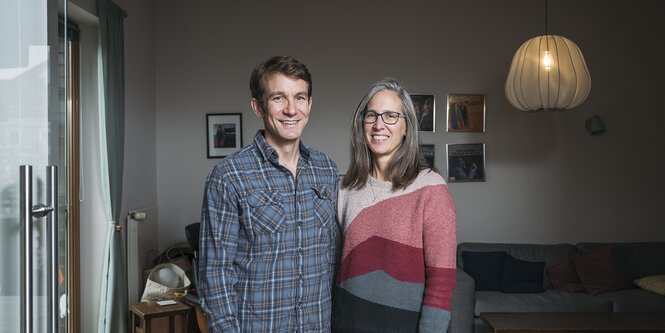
(425,107)
(428,153)
(223,134)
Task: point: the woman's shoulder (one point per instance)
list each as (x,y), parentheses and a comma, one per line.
(429,177)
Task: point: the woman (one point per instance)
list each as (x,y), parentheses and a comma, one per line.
(397,269)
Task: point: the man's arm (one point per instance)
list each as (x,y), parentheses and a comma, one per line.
(217,249)
(335,240)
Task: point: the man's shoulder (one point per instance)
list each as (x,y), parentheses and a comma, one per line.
(319,158)
(240,159)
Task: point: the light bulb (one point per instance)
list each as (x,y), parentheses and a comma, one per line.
(547,60)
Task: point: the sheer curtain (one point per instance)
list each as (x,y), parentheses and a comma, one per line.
(113,297)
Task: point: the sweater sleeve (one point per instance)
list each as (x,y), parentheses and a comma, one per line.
(439,246)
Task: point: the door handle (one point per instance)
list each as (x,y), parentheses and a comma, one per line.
(52,225)
(27,212)
(25,175)
(41,210)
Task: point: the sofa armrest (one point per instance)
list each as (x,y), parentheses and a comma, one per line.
(464,303)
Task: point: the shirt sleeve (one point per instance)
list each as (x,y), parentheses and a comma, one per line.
(217,249)
(440,246)
(334,240)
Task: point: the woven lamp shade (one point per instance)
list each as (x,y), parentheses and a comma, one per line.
(548,73)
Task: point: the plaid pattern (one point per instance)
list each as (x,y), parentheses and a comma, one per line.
(267,241)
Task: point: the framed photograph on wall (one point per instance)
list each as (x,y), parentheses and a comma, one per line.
(466,162)
(425,111)
(223,133)
(466,113)
(428,153)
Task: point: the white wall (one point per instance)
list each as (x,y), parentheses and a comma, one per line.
(547,179)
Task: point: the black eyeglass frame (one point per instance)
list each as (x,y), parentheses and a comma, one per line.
(364,113)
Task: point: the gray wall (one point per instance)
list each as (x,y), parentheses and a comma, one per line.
(547,179)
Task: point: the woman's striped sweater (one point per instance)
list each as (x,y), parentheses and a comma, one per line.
(397,270)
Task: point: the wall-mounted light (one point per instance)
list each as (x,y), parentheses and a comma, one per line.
(548,73)
(137,215)
(594,125)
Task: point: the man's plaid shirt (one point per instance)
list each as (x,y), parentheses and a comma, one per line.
(267,242)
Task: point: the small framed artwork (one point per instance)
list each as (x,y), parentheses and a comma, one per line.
(428,153)
(425,107)
(466,113)
(223,133)
(466,162)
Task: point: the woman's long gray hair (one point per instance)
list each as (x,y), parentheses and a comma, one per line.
(407,162)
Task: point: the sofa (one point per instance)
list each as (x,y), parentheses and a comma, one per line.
(632,260)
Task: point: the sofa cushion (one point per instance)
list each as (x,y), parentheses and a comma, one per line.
(550,253)
(634,300)
(486,268)
(598,271)
(654,284)
(635,260)
(549,301)
(563,276)
(521,276)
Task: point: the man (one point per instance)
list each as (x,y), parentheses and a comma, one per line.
(267,243)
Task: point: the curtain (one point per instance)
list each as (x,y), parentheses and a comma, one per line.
(113,297)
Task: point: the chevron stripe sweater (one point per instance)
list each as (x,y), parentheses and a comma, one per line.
(397,270)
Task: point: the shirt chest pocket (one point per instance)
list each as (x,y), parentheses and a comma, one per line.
(323,205)
(265,212)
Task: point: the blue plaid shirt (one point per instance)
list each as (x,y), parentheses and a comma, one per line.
(267,242)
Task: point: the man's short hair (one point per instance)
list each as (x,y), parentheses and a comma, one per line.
(278,64)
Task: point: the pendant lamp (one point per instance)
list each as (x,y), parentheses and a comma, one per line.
(548,73)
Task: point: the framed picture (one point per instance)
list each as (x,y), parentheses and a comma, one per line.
(466,113)
(223,133)
(428,153)
(466,162)
(425,107)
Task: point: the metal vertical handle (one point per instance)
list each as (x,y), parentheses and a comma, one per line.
(52,225)
(26,247)
(27,211)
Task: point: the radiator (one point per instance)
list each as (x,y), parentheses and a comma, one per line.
(141,248)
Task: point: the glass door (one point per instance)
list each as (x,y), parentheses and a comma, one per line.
(33,168)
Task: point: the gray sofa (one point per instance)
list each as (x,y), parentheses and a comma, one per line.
(634,260)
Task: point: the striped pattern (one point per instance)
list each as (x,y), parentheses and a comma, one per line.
(397,270)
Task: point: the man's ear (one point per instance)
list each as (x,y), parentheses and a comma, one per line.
(256,106)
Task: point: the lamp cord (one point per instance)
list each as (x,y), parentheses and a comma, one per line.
(545,17)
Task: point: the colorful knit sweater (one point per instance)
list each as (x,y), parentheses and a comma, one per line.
(397,270)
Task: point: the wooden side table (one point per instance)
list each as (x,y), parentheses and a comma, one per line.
(143,312)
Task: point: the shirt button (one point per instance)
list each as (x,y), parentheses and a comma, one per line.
(300,276)
(299,303)
(300,251)
(299,224)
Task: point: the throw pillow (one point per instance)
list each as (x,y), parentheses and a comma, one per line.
(654,284)
(521,276)
(563,276)
(486,268)
(599,272)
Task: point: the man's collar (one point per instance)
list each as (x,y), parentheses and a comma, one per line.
(269,153)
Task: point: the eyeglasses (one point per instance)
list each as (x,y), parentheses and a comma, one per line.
(389,118)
